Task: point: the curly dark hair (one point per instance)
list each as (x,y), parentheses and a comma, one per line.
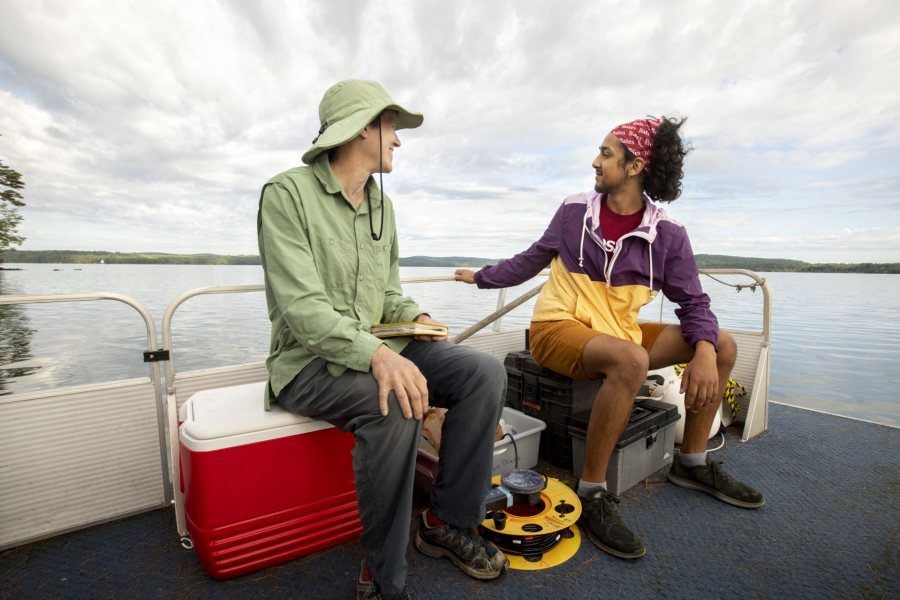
(662,182)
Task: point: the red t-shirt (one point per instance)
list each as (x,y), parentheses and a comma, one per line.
(614,226)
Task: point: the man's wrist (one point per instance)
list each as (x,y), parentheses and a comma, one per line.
(704,347)
(378,354)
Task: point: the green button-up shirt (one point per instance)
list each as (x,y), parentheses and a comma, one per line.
(327,281)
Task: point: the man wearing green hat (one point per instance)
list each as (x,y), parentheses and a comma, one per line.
(328,244)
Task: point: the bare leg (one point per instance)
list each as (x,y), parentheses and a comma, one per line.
(669,349)
(625,366)
(709,478)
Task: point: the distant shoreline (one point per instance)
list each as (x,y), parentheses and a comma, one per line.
(704,261)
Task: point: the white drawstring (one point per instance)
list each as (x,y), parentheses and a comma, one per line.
(583,229)
(609,268)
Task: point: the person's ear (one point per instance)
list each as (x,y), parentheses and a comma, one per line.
(636,167)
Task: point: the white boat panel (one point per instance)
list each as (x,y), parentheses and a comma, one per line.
(498,344)
(76,457)
(747,372)
(757,419)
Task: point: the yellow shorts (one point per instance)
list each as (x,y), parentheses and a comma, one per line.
(558,345)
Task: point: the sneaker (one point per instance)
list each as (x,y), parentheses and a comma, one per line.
(367,589)
(712,479)
(600,520)
(476,556)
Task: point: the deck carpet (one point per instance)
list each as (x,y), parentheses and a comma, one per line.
(829,530)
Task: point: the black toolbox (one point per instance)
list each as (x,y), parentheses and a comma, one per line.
(550,397)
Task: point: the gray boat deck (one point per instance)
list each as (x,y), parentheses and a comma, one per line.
(829,530)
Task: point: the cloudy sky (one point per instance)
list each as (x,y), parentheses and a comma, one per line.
(151,125)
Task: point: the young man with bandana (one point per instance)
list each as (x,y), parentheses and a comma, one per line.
(329,276)
(610,252)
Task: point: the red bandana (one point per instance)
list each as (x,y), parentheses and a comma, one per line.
(638,136)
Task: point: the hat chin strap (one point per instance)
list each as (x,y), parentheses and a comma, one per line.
(380,187)
(321,131)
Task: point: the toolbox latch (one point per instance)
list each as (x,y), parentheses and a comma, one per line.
(652,434)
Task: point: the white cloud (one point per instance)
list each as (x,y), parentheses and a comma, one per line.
(163,120)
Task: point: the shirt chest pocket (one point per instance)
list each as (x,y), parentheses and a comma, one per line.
(382,258)
(336,263)
(350,270)
(374,266)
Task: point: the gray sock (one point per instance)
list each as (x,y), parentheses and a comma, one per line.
(586,487)
(694,460)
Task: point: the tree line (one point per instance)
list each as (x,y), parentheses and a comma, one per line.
(83,257)
(704,261)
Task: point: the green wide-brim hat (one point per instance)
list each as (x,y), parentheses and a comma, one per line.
(347,107)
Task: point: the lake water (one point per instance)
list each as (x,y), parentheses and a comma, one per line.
(835,337)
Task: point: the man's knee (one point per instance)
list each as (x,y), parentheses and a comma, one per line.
(492,371)
(481,369)
(727,350)
(367,418)
(489,375)
(393,427)
(630,366)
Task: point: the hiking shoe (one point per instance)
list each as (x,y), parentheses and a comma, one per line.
(600,520)
(712,479)
(476,556)
(367,589)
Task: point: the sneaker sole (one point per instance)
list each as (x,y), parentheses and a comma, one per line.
(433,551)
(613,551)
(693,485)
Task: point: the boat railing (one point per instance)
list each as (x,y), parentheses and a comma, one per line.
(758,282)
(494,318)
(73,416)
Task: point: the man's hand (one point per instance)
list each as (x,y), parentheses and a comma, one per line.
(700,379)
(423,318)
(464,275)
(393,372)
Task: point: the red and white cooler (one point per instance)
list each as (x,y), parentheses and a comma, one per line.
(262,487)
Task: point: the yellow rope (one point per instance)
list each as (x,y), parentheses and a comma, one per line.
(733,391)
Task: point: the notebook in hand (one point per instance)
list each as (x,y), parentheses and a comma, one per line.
(387,330)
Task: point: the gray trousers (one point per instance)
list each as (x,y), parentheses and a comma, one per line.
(470,383)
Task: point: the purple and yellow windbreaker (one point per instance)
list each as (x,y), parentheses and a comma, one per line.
(606,293)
